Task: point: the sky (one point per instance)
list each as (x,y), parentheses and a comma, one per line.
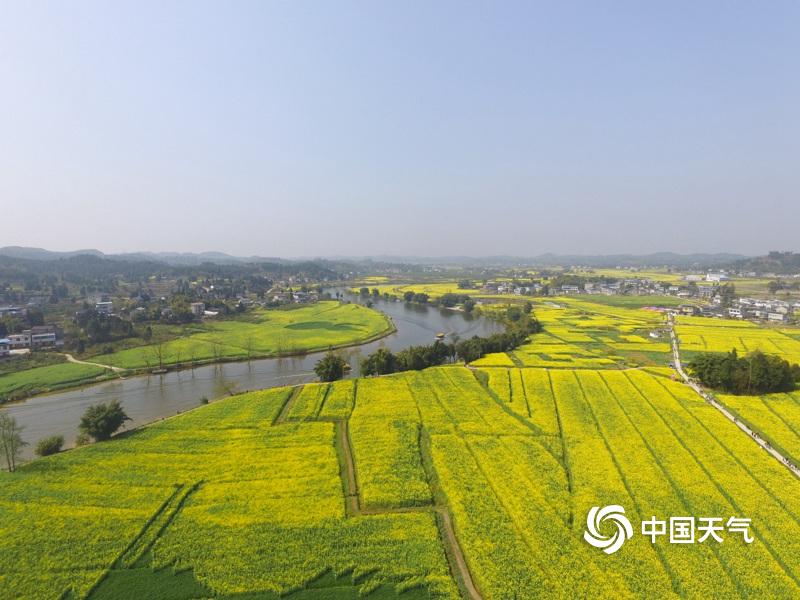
(400,128)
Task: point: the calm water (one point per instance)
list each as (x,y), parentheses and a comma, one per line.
(152,397)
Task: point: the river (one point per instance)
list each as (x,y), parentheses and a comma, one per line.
(148,398)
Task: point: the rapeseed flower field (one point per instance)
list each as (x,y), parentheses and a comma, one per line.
(517,456)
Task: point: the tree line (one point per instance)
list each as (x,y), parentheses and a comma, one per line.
(755,373)
(415,358)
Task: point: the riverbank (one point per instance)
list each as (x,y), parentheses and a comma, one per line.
(78,374)
(148,397)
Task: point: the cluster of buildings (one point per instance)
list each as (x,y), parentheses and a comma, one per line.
(754,309)
(279,296)
(778,311)
(35,338)
(632,286)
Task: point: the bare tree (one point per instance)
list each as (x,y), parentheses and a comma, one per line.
(11,442)
(248,346)
(159,350)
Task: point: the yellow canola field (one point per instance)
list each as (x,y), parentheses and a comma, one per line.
(515,456)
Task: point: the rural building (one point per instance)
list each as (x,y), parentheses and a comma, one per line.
(197,308)
(5,347)
(12,311)
(776,316)
(45,336)
(19,340)
(104,307)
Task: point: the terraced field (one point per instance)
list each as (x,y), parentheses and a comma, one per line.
(446,483)
(583,334)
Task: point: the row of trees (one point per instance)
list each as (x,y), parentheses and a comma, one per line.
(755,373)
(415,358)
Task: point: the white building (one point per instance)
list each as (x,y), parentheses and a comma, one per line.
(19,340)
(104,308)
(44,336)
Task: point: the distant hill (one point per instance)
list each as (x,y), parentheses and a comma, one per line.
(659,259)
(42,254)
(780,263)
(171,258)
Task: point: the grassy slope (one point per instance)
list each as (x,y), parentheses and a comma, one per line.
(44,379)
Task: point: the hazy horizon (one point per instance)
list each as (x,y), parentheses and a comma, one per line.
(358,129)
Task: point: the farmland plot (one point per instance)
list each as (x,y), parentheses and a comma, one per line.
(250,503)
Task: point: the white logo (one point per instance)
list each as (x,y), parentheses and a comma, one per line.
(613,513)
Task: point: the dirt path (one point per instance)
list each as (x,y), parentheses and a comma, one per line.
(281,418)
(72,359)
(708,397)
(349,466)
(353,503)
(453,550)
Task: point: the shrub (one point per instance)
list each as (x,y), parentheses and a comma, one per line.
(50,445)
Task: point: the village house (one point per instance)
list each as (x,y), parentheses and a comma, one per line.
(12,311)
(19,340)
(45,336)
(5,347)
(104,307)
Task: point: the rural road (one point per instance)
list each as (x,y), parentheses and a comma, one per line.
(72,359)
(708,397)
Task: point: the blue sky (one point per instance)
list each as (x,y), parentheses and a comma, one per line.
(330,128)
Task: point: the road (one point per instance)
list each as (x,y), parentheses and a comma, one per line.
(708,397)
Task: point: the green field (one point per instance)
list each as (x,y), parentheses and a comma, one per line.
(266,333)
(255,494)
(44,379)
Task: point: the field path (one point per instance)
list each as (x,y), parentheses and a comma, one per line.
(351,485)
(72,359)
(460,562)
(353,504)
(708,397)
(287,407)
